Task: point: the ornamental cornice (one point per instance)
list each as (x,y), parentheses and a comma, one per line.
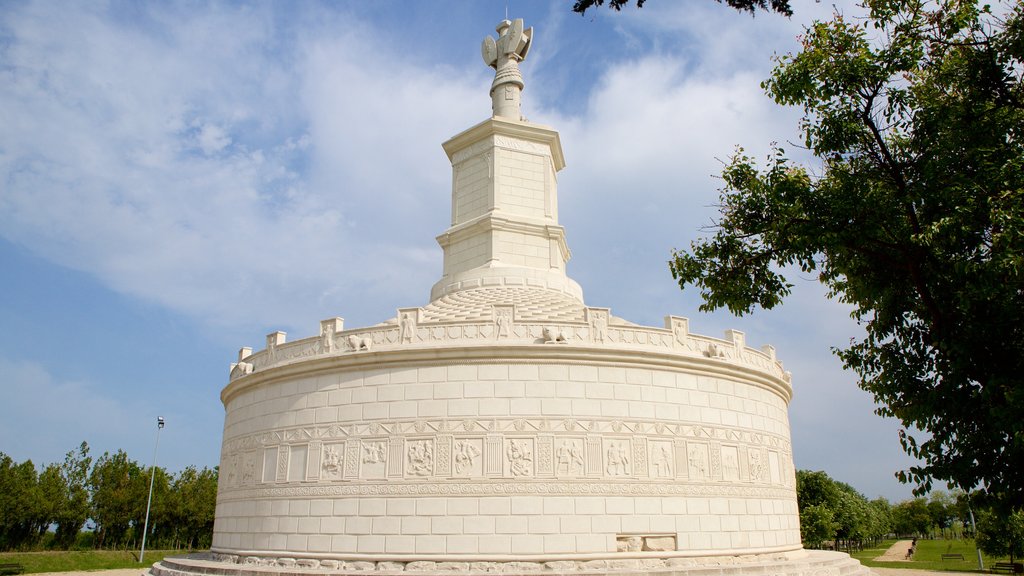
(495,221)
(493,128)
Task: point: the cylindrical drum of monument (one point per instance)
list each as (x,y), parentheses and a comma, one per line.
(452,442)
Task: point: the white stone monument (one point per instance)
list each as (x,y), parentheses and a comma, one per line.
(506,426)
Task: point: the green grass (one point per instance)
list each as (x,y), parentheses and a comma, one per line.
(929,556)
(61,561)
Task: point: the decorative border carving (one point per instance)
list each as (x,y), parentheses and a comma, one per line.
(557,425)
(534,487)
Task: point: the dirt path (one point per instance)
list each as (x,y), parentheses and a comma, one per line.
(897,552)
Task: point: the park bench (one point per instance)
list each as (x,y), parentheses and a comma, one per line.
(11,568)
(953,557)
(1008,567)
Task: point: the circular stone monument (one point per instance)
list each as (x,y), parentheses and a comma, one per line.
(507,426)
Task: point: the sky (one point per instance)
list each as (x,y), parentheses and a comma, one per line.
(179,179)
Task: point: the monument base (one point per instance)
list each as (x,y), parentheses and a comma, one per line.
(799,563)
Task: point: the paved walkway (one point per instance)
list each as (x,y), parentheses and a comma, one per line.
(897,552)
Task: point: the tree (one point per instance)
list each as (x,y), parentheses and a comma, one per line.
(118,491)
(780,6)
(817,525)
(911,517)
(916,218)
(1001,534)
(831,510)
(942,510)
(74,510)
(195,501)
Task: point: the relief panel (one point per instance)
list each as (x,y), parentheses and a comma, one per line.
(374,458)
(467,458)
(331,464)
(774,469)
(270,464)
(730,464)
(569,458)
(519,457)
(698,461)
(419,458)
(297,462)
(617,458)
(661,459)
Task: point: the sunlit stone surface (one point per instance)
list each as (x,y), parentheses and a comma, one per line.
(506,425)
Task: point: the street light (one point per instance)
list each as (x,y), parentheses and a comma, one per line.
(152,475)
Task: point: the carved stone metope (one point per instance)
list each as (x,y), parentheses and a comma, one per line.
(596,327)
(512,450)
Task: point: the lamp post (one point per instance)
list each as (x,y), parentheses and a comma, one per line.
(974,528)
(152,475)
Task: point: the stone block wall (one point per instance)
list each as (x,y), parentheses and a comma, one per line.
(501,458)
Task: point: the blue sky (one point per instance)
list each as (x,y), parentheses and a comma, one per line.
(179,179)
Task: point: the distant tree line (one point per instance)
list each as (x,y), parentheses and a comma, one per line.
(101,503)
(834,515)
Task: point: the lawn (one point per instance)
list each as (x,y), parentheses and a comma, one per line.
(929,556)
(61,561)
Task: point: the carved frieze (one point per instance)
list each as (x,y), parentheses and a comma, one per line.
(557,426)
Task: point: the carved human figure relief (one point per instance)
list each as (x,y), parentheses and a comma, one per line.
(374,453)
(681,333)
(661,460)
(273,340)
(407,327)
(520,458)
(599,325)
(502,322)
(248,468)
(327,339)
(466,457)
(420,458)
(569,458)
(698,462)
(617,459)
(232,466)
(757,467)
